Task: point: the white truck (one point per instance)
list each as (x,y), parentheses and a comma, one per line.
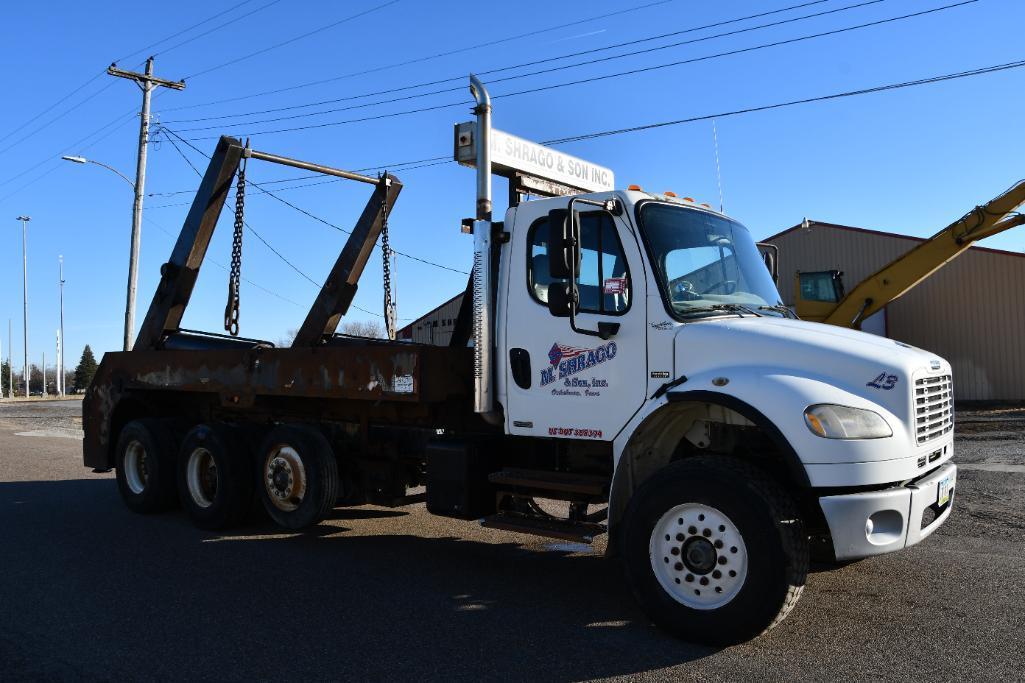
(630,356)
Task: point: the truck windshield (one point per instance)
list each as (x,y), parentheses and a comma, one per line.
(705,262)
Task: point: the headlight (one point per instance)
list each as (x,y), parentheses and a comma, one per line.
(841,422)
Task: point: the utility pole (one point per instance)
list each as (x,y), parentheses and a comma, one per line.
(147,82)
(60,332)
(24,291)
(42,391)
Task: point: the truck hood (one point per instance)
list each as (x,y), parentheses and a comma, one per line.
(878,369)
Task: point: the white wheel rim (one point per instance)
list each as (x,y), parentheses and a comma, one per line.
(201,477)
(698,556)
(136,474)
(284,478)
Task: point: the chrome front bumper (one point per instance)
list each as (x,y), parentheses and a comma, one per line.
(877,522)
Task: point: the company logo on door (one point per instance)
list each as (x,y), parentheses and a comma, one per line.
(569,360)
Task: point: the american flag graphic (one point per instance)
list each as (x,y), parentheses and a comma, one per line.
(561,352)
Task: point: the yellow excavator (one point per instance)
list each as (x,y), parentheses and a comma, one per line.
(820,296)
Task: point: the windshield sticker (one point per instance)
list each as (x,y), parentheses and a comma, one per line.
(614,285)
(567,361)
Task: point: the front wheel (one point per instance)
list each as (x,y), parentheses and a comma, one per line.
(714,550)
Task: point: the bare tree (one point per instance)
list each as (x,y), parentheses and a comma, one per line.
(287,340)
(364,328)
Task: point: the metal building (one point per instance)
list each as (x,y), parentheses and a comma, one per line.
(971,311)
(434,327)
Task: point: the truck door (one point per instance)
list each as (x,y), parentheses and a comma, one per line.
(560,382)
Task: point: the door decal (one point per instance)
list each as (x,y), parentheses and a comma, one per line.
(567,361)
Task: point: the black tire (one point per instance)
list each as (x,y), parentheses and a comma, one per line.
(215,477)
(144,459)
(775,549)
(290,455)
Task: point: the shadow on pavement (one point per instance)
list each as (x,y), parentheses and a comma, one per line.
(91,590)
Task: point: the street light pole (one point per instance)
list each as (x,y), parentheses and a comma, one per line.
(24,291)
(147,82)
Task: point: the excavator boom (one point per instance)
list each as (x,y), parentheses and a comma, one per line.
(898,277)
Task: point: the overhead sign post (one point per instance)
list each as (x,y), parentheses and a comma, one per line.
(534,168)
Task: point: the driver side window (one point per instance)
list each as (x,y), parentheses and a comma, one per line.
(603,282)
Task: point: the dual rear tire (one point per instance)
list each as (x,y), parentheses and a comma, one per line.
(215,476)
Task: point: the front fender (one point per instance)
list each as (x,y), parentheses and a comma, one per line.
(782,397)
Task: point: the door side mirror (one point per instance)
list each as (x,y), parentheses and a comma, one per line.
(563,250)
(770,255)
(560,300)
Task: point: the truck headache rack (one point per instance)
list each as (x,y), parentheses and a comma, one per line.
(178,276)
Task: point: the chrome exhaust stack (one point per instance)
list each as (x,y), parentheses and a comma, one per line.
(483,277)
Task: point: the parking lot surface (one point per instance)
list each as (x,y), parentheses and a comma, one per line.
(89,590)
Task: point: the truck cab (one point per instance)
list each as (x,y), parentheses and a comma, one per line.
(669,342)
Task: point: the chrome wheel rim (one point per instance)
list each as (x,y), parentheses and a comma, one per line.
(201,477)
(284,478)
(136,474)
(698,556)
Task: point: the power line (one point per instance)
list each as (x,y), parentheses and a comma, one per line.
(318,218)
(120,122)
(268,244)
(293,39)
(419,60)
(197,25)
(398,166)
(53,106)
(224,268)
(102,73)
(534,63)
(262,7)
(779,105)
(619,74)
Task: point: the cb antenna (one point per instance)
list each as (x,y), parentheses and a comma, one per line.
(718,176)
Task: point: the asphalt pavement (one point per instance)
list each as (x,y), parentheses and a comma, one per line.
(89,590)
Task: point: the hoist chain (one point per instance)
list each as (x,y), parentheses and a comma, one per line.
(389,307)
(231,309)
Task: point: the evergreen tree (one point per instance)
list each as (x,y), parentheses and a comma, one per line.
(85,370)
(5,379)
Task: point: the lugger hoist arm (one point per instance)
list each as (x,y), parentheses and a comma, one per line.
(178,276)
(900,276)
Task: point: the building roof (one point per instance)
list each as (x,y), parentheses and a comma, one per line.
(409,327)
(883,233)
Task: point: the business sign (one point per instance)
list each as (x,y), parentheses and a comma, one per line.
(515,157)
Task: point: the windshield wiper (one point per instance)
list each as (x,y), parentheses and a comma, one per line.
(780,308)
(739,309)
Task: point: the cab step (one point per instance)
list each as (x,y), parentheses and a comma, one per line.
(581,532)
(544,480)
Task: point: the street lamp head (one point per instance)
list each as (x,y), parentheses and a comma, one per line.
(24,218)
(77,160)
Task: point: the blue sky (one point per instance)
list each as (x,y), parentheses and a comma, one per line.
(908,161)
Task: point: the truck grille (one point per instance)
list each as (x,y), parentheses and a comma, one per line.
(934,407)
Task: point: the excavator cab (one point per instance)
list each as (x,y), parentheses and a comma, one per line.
(817,293)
